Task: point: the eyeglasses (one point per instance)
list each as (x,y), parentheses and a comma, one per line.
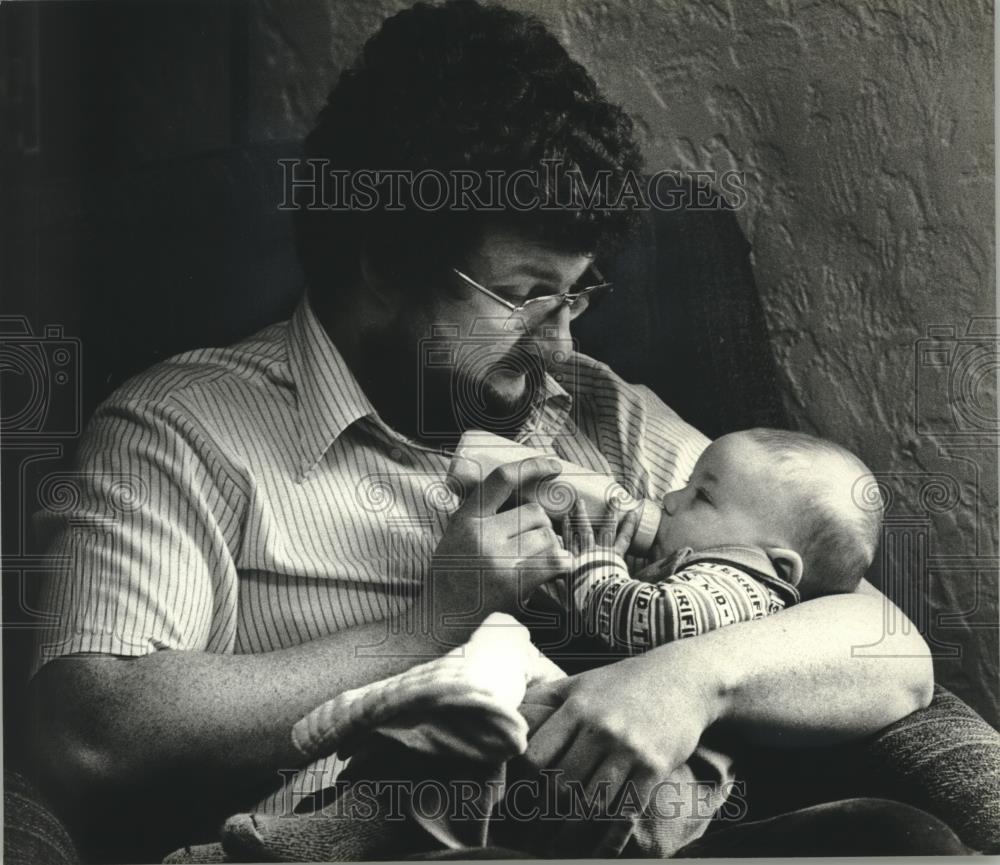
(536,309)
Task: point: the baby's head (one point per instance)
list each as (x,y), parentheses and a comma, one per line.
(792,494)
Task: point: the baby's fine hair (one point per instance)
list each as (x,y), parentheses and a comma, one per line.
(841,511)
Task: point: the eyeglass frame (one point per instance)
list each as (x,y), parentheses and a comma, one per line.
(569,298)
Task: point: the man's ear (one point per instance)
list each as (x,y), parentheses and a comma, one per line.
(787,563)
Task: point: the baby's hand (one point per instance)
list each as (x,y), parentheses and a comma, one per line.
(579,536)
(626,531)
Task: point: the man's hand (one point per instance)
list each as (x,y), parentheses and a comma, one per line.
(627,725)
(489,560)
(638,719)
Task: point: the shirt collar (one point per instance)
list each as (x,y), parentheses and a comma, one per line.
(329,396)
(549,416)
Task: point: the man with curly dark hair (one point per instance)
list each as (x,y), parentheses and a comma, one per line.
(292,507)
(443,94)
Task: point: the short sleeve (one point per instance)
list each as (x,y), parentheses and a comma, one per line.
(139,539)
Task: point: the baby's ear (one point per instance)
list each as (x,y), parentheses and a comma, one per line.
(787,563)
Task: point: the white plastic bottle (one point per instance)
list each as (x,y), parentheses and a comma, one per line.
(479,452)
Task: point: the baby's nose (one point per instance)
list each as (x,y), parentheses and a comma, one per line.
(670,502)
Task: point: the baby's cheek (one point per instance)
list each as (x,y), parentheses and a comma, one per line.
(698,529)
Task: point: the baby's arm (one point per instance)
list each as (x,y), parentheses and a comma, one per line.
(633,615)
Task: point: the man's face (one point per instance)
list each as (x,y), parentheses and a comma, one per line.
(494,358)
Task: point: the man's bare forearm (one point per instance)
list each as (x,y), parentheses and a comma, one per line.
(117,723)
(820,672)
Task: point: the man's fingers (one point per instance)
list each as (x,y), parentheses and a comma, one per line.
(608,781)
(540,558)
(551,694)
(521,520)
(592,767)
(578,763)
(540,542)
(503,481)
(542,568)
(637,789)
(551,739)
(591,827)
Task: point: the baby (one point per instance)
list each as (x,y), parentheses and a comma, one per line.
(767,518)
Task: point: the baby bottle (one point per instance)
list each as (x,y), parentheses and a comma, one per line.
(479,452)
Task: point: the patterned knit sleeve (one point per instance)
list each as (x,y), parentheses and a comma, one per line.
(633,616)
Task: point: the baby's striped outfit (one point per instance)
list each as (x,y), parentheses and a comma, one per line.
(686,594)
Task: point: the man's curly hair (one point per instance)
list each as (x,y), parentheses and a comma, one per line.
(462,86)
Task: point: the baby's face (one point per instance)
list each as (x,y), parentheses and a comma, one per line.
(732,497)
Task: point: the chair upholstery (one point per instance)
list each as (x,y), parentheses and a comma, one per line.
(944,759)
(32,834)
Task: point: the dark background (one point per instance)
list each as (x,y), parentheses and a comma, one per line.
(140,188)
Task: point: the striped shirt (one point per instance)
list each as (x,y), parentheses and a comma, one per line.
(249,498)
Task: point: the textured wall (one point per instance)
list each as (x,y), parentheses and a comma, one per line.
(865,132)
